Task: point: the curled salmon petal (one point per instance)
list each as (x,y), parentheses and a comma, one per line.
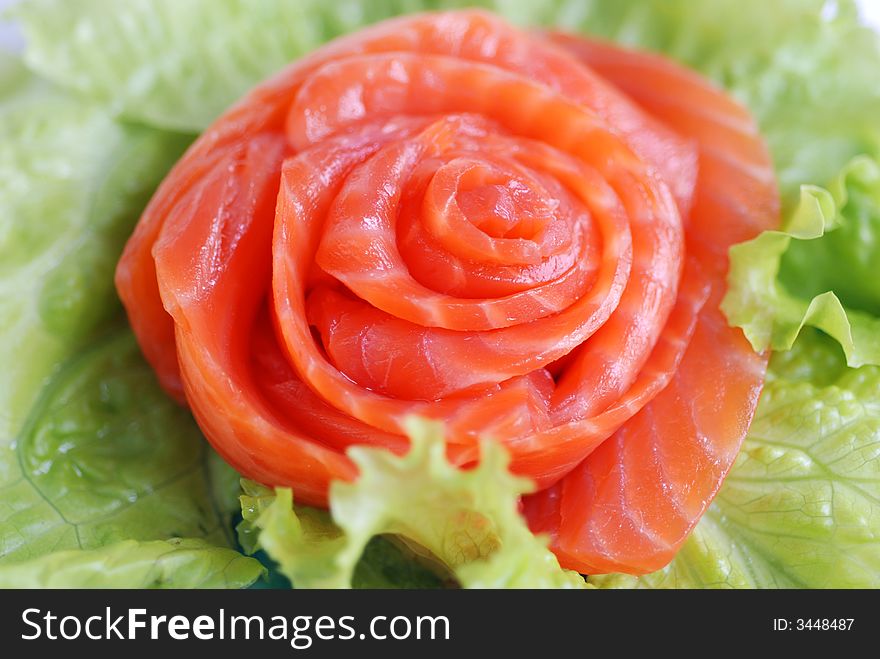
(521,234)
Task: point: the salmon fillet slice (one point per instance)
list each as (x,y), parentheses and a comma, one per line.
(631,504)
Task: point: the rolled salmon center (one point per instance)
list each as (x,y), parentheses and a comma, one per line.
(481,210)
(502,206)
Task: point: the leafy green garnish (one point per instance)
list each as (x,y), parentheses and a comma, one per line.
(828,256)
(466,522)
(107,456)
(72,182)
(92,453)
(131,564)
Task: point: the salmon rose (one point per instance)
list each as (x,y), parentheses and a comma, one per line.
(522,235)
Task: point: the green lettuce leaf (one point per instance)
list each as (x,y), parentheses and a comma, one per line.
(463,522)
(801,507)
(384,563)
(72,183)
(822,270)
(92,453)
(107,456)
(305,542)
(178,64)
(129,564)
(168,63)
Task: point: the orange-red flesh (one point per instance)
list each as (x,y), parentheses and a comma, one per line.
(523,235)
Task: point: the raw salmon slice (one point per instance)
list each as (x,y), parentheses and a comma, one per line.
(631,504)
(521,235)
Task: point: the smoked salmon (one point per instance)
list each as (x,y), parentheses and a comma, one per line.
(521,234)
